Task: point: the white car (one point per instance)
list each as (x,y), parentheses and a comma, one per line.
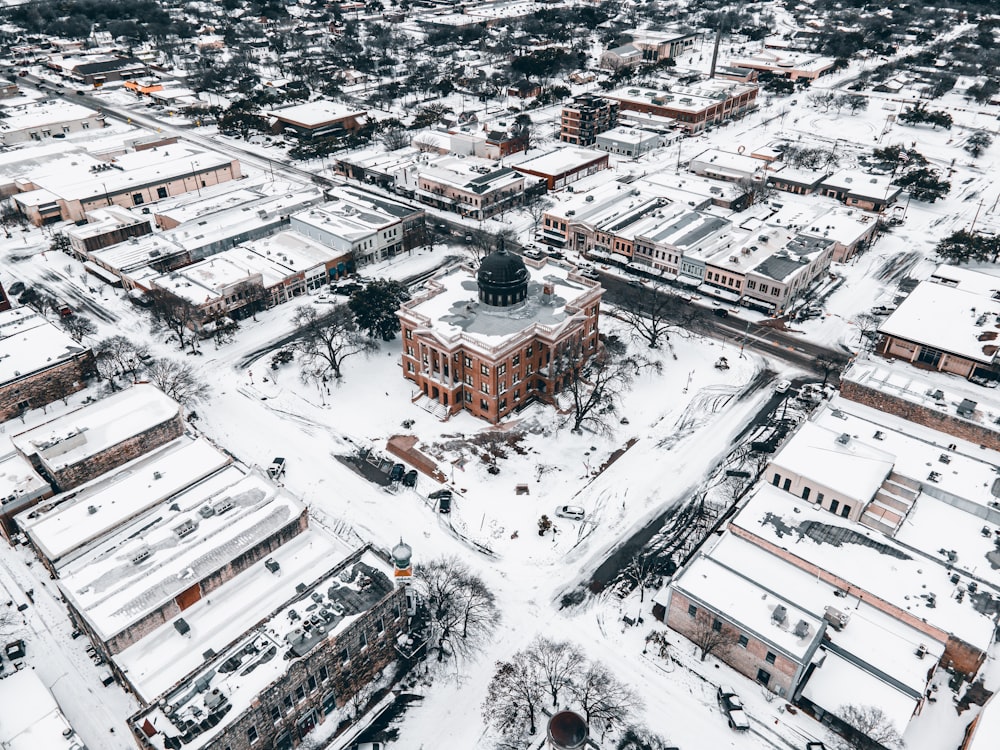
(783,386)
(572,512)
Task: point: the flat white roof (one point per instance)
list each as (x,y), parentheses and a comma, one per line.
(839,682)
(18,478)
(48,113)
(873,637)
(865,559)
(954,311)
(85,432)
(916,451)
(317,113)
(859,183)
(74,177)
(29,343)
(561,160)
(207,280)
(62,527)
(163,658)
(140,565)
(855,468)
(31,718)
(754,607)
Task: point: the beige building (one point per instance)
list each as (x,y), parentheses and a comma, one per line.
(66,189)
(448,185)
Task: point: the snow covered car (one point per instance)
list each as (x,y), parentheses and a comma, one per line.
(570,511)
(732,706)
(783,386)
(277,467)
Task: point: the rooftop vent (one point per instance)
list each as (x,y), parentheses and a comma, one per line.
(181,626)
(844,438)
(779,614)
(801,629)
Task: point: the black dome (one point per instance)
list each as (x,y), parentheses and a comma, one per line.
(502,279)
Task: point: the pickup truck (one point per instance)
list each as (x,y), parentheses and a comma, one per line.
(732,707)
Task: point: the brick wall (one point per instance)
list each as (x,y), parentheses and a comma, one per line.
(113,457)
(44,387)
(784,671)
(947,423)
(206,585)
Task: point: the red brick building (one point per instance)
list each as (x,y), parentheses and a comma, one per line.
(509,344)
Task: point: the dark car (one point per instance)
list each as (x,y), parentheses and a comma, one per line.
(720,312)
(396,473)
(16,288)
(438,494)
(732,707)
(444,503)
(410,478)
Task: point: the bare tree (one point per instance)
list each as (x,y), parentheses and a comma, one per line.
(117,356)
(592,388)
(640,570)
(558,663)
(755,190)
(482,244)
(461,607)
(651,311)
(828,366)
(711,635)
(178,380)
(514,695)
(77,326)
(873,729)
(395,138)
(536,210)
(327,339)
(823,99)
(254,295)
(605,701)
(867,325)
(640,738)
(175,314)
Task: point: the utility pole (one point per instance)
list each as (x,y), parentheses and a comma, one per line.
(976,217)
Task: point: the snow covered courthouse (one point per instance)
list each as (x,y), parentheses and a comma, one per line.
(494,340)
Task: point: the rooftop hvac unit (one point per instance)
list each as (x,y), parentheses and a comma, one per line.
(836,618)
(801,629)
(779,614)
(844,438)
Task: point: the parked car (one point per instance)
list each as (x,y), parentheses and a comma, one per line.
(444,503)
(590,273)
(16,288)
(410,478)
(533,254)
(573,512)
(396,472)
(783,386)
(438,494)
(277,467)
(732,706)
(720,312)
(347,289)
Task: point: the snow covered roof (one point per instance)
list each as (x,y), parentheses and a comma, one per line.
(864,559)
(63,527)
(48,113)
(862,184)
(137,252)
(141,564)
(753,606)
(238,199)
(31,718)
(560,161)
(452,312)
(18,480)
(957,310)
(208,280)
(725,164)
(885,644)
(77,435)
(843,225)
(29,343)
(818,454)
(238,674)
(75,178)
(839,682)
(160,661)
(316,114)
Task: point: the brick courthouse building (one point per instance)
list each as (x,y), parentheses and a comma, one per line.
(494,340)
